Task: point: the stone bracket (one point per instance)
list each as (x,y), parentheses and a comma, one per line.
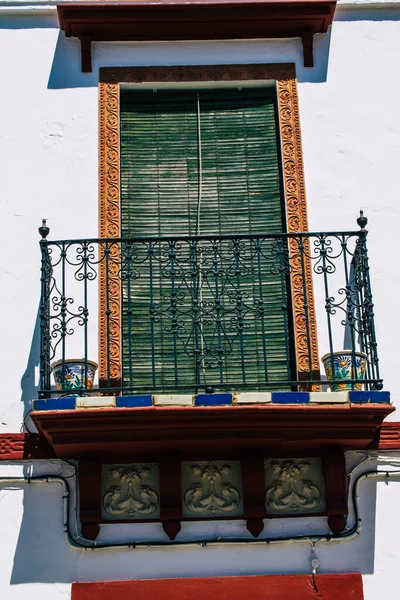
(86,55)
(307,40)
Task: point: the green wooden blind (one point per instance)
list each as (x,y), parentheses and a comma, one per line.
(202,162)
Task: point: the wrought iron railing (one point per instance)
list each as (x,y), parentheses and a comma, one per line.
(205,313)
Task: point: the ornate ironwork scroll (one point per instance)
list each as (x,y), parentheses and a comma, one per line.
(306,346)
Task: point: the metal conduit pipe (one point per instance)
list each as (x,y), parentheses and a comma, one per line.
(77,541)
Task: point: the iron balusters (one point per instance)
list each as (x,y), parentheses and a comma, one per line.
(206,312)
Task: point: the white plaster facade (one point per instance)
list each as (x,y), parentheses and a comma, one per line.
(349,107)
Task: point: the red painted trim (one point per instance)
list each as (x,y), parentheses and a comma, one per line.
(12,446)
(273,587)
(390,436)
(20,446)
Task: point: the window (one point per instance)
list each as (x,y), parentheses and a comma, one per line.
(142,193)
(209,311)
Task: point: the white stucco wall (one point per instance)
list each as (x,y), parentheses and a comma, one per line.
(37,559)
(349,105)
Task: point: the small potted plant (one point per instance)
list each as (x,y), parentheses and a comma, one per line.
(71,374)
(344,365)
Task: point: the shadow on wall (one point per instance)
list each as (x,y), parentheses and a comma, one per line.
(15,21)
(42,554)
(375,13)
(66,67)
(29,387)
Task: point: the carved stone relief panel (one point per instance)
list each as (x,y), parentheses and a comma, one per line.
(294,486)
(211,489)
(130,492)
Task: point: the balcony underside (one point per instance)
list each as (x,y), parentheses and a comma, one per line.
(148,433)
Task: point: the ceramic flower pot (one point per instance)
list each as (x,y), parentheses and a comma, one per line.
(340,366)
(72,376)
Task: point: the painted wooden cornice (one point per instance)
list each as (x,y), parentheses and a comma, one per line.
(166,20)
(151,430)
(20,446)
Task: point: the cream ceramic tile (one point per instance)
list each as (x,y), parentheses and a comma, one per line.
(95,401)
(252,398)
(173,400)
(329,397)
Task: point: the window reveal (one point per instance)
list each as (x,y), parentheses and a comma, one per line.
(206,311)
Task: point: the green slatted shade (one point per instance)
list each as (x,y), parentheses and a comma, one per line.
(202,162)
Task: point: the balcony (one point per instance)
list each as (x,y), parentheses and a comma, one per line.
(208,352)
(206,314)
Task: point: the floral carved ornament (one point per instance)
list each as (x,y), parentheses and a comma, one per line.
(212,493)
(294,486)
(127,496)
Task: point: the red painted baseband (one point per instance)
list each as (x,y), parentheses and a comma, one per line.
(273,587)
(20,446)
(390,436)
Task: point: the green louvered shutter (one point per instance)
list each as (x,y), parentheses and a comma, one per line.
(202,162)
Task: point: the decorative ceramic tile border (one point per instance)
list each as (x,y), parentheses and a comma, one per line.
(209,400)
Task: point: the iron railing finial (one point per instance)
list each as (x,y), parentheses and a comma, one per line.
(44,230)
(362,221)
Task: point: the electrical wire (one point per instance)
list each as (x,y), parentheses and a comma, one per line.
(76,540)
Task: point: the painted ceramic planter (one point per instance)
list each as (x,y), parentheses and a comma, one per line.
(72,377)
(343,369)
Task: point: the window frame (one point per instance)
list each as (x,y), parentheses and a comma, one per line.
(284,75)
